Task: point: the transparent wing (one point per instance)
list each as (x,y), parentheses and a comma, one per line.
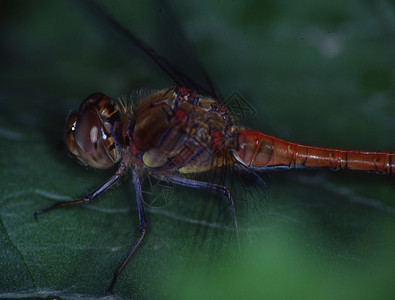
(181,58)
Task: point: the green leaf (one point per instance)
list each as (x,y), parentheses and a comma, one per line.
(314,72)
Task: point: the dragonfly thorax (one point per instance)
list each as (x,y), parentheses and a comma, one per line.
(182,132)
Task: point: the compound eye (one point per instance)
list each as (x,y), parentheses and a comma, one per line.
(87,132)
(91,132)
(87,140)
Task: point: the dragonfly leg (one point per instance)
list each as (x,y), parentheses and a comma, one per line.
(142,224)
(90,196)
(212,187)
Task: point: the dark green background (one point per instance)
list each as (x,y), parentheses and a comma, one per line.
(316,72)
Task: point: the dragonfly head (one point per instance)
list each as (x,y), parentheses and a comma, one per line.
(92,132)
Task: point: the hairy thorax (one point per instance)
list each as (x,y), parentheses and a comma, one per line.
(175,131)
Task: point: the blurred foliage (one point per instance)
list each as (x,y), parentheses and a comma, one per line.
(315,72)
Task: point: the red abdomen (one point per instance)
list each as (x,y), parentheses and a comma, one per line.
(258,150)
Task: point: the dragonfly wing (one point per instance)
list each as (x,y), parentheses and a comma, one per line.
(183,58)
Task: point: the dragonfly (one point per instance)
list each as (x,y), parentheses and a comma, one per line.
(174,133)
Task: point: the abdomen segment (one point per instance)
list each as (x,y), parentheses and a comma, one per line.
(258,150)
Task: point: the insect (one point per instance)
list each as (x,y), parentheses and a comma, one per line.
(176,132)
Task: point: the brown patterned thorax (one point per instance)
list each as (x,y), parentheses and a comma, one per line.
(177,131)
